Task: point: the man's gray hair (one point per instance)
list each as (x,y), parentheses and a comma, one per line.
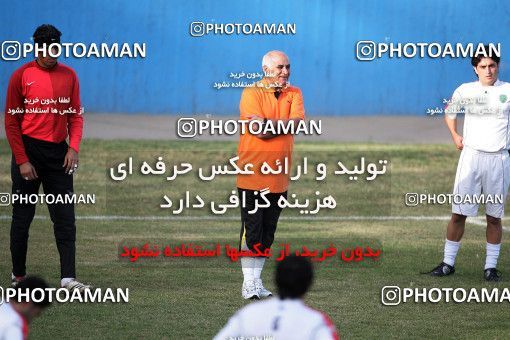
(268,61)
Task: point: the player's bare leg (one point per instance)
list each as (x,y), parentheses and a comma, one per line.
(456,227)
(494,230)
(494,235)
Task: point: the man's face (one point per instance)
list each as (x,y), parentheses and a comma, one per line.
(487,71)
(279,71)
(48,61)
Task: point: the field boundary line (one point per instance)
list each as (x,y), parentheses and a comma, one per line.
(479,221)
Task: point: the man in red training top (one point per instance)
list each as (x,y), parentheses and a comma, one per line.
(42,109)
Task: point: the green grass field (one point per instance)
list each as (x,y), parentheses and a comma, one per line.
(192,299)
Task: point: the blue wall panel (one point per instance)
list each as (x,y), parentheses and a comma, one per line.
(178,74)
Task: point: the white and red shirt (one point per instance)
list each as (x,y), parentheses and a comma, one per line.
(277,319)
(43,104)
(487,115)
(12,325)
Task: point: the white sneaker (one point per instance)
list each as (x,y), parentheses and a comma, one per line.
(72,285)
(15,280)
(249,290)
(261,291)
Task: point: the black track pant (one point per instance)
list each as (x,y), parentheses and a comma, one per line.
(259,227)
(47,158)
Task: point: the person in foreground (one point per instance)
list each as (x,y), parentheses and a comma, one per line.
(285,316)
(16,316)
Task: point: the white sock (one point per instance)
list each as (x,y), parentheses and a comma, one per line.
(259,265)
(492,255)
(248,264)
(66,280)
(451,248)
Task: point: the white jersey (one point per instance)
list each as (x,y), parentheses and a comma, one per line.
(486,108)
(275,319)
(12,324)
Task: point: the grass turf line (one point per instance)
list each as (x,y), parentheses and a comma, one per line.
(176,302)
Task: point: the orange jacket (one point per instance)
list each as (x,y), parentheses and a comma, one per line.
(261,101)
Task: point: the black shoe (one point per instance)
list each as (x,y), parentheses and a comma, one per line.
(492,274)
(442,270)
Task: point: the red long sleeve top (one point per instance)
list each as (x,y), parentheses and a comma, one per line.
(43,104)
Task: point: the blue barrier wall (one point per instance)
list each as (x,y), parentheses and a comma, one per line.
(178,74)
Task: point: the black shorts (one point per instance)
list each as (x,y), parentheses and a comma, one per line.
(260,226)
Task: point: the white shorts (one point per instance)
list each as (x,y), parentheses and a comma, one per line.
(480,174)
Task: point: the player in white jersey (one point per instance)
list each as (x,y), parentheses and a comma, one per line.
(15,317)
(483,171)
(285,316)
